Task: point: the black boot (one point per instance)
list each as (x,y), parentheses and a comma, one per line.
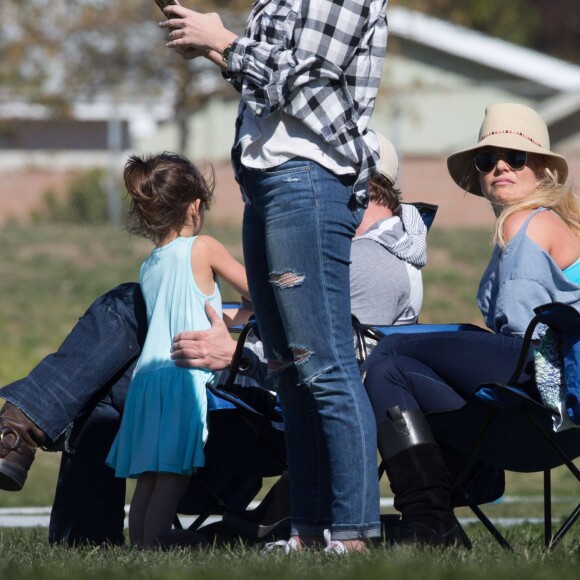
(19,439)
(419,480)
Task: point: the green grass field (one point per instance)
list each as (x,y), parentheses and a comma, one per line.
(26,556)
(50,274)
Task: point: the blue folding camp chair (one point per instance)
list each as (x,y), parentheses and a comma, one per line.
(501,426)
(479,483)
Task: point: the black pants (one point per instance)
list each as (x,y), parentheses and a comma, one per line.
(439,371)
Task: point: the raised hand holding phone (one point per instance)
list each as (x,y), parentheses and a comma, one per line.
(196,29)
(187,53)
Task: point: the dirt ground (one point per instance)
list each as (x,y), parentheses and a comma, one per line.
(422,179)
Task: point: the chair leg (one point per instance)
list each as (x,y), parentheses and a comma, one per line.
(216,504)
(550,540)
(460,474)
(500,539)
(547,508)
(565,527)
(177,523)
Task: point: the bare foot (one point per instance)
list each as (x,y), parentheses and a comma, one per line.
(355,546)
(308,542)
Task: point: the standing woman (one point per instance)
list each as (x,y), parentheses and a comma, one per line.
(536,260)
(308,74)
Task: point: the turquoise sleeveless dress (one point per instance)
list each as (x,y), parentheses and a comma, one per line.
(164,423)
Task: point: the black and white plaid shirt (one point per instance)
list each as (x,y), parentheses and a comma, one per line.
(319,61)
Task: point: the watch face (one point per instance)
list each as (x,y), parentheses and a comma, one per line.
(226,52)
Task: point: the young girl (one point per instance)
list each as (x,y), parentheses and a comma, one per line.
(163,429)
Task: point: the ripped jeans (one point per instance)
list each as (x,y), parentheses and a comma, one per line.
(299,221)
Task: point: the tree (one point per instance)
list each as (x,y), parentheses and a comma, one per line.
(549,26)
(516,20)
(58,52)
(559,30)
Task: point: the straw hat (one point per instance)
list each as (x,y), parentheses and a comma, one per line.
(389,159)
(509,126)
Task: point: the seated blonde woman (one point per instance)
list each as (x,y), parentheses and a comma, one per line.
(536,260)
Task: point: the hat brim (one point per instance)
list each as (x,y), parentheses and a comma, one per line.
(460,164)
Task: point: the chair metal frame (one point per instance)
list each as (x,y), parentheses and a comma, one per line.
(493,400)
(249,417)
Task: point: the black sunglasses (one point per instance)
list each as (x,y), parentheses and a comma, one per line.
(485,161)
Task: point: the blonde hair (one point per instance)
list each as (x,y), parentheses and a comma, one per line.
(559,197)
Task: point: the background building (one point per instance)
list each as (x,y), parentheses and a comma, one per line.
(438,78)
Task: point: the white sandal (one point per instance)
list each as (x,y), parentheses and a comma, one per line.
(287,546)
(333,546)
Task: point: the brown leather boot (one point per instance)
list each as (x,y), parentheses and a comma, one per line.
(19,439)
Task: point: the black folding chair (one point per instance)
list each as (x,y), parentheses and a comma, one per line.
(501,426)
(428,212)
(245,444)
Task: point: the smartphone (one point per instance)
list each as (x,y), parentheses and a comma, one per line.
(163,3)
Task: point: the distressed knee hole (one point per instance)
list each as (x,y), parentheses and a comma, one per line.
(301,355)
(286,279)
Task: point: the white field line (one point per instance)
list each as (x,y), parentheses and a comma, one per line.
(25,517)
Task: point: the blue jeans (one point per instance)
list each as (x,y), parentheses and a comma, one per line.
(89,501)
(299,221)
(97,355)
(76,396)
(439,371)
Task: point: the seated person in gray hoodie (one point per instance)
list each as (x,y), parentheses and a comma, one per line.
(388,252)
